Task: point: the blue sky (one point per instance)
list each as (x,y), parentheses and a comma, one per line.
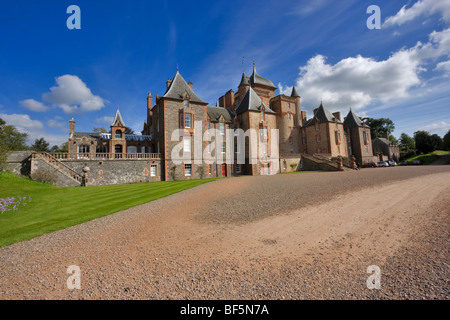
(124,49)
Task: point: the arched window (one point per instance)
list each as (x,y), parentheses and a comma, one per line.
(83,148)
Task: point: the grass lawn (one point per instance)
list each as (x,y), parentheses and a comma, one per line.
(429,157)
(54,208)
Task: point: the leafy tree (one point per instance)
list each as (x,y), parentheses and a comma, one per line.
(40,145)
(11,139)
(436,141)
(62,148)
(100,130)
(393,139)
(424,142)
(446,141)
(407,143)
(379,127)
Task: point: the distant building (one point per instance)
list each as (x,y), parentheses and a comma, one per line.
(359,141)
(385,147)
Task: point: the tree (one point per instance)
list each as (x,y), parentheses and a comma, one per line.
(424,142)
(11,139)
(407,143)
(100,130)
(393,139)
(436,141)
(379,127)
(446,141)
(40,145)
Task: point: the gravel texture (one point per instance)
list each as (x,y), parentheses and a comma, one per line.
(289,236)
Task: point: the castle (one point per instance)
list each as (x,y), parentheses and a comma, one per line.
(286,139)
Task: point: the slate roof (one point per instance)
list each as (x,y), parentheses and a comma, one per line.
(214,113)
(384,140)
(323,115)
(95,135)
(255,78)
(118,117)
(252,101)
(244,80)
(294,92)
(352,120)
(178,88)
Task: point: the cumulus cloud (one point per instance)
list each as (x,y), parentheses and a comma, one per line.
(33,105)
(437,127)
(34,128)
(420,8)
(356,82)
(73,96)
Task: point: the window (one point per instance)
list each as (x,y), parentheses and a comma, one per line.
(317,138)
(366,138)
(236,146)
(118,134)
(188,169)
(265,148)
(238,168)
(265,132)
(318,150)
(222,128)
(289,115)
(187,144)
(224,147)
(208,125)
(131,149)
(188,120)
(181,120)
(289,105)
(186,103)
(153,170)
(284,165)
(337,136)
(83,149)
(263,116)
(209,146)
(209,169)
(317,126)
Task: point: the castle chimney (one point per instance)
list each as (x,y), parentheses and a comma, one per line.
(71,127)
(337,115)
(168,83)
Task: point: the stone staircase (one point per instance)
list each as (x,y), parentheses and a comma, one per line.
(57,165)
(323,163)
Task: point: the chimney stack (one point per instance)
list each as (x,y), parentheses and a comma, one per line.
(337,115)
(190,84)
(168,83)
(71,127)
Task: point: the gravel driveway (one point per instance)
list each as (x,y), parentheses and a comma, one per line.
(289,236)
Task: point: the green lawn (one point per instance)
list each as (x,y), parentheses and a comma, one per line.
(54,208)
(429,157)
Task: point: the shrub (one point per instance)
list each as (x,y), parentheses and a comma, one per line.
(44,176)
(201,171)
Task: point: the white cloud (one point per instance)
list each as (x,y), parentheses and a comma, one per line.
(441,127)
(34,128)
(58,122)
(33,105)
(73,96)
(420,8)
(22,122)
(356,82)
(105,119)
